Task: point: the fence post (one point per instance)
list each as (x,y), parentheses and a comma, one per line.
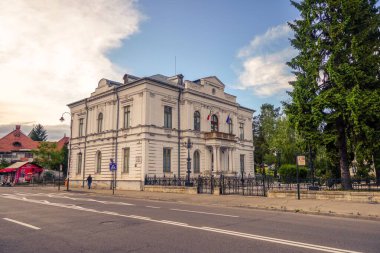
(264,190)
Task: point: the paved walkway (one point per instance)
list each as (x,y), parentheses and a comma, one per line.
(320,207)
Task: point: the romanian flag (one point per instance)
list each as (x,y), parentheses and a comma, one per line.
(209,116)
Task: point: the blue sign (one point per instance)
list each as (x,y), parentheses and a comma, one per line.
(113,166)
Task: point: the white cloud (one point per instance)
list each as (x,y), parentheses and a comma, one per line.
(264,68)
(54,52)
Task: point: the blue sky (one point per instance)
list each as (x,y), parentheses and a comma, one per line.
(54,52)
(205,37)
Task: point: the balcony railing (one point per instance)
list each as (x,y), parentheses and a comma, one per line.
(219,135)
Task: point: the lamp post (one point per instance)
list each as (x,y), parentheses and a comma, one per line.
(188,144)
(69,154)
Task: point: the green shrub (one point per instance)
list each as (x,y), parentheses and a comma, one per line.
(288,172)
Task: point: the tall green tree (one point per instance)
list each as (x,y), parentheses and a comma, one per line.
(38,133)
(263,131)
(336,95)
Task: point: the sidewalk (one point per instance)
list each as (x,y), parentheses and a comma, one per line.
(307,206)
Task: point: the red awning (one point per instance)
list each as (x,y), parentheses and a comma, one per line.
(8,170)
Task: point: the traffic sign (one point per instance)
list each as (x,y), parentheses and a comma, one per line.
(113,166)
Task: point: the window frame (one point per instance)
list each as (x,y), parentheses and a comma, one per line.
(214,123)
(197,121)
(126,161)
(168,113)
(241,128)
(127,116)
(98,162)
(230,127)
(100,122)
(196,162)
(166,160)
(79,163)
(80,127)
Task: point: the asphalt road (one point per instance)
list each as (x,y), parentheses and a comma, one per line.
(33,221)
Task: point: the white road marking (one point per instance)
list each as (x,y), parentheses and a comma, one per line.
(22,223)
(208,229)
(152,206)
(218,214)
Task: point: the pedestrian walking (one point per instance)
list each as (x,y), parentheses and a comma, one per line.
(89,181)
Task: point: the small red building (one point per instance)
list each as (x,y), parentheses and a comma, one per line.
(20,172)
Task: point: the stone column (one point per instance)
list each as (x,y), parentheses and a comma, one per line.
(229,159)
(232,159)
(213,161)
(218,159)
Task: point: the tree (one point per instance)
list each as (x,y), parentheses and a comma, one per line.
(336,95)
(263,131)
(48,156)
(4,163)
(38,133)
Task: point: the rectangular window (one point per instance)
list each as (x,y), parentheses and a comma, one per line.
(79,165)
(168,117)
(126,160)
(241,131)
(127,116)
(166,159)
(80,127)
(242,169)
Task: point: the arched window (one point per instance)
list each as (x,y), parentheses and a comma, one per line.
(98,162)
(214,123)
(197,162)
(197,121)
(100,122)
(230,127)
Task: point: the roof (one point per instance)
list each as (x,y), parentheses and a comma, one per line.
(61,143)
(16,165)
(16,141)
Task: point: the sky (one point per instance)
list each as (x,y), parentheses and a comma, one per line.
(54,52)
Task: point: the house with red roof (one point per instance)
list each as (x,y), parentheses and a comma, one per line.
(16,146)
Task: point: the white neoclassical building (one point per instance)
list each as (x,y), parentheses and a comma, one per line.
(143,123)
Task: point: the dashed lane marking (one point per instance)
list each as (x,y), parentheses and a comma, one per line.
(153,207)
(217,214)
(22,223)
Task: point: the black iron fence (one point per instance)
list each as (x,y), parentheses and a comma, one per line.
(224,185)
(312,184)
(260,184)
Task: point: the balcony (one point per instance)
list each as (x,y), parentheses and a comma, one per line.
(220,136)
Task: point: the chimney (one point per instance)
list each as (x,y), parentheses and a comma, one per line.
(125,78)
(180,79)
(18,127)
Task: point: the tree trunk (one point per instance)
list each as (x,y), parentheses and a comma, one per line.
(376,160)
(343,155)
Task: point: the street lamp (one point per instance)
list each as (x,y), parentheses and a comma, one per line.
(188,144)
(69,154)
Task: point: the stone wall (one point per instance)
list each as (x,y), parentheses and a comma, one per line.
(171,189)
(372,197)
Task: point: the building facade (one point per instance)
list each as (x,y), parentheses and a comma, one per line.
(143,123)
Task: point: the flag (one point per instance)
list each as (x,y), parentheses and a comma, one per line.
(209,116)
(228,120)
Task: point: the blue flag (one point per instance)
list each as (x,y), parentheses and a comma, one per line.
(228,121)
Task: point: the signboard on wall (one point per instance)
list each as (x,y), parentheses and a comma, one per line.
(301,161)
